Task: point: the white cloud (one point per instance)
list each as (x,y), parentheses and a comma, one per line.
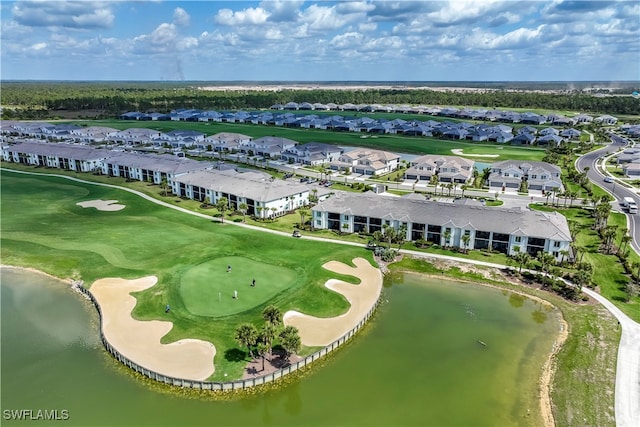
(517,39)
(69,14)
(282,10)
(250,16)
(180,17)
(164,39)
(322,18)
(368,27)
(39,46)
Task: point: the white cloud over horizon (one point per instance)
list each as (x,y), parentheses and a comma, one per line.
(321,40)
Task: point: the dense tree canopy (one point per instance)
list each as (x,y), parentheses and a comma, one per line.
(43,99)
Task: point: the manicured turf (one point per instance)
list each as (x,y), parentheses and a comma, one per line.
(43,227)
(208,289)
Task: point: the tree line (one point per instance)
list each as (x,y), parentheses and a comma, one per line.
(25,99)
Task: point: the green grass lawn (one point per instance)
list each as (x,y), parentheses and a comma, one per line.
(394,143)
(608,273)
(208,289)
(43,227)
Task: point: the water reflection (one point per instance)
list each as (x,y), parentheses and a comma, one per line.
(516,300)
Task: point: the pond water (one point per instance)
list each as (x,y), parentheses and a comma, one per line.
(419,362)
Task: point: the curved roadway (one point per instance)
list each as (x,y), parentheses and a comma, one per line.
(617,190)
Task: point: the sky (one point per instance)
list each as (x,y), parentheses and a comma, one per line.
(292,40)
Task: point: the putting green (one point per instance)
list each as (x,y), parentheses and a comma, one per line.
(207,289)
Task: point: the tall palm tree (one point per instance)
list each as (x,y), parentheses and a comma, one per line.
(304,212)
(466,238)
(222,205)
(624,241)
(272,315)
(267,335)
(289,340)
(447,236)
(243,208)
(522,258)
(246,335)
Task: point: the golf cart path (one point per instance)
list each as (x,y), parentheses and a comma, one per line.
(627,389)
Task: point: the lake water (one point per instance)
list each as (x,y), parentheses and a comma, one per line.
(418,363)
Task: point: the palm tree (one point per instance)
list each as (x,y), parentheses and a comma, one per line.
(574,228)
(222,205)
(463,188)
(401,235)
(243,208)
(609,234)
(164,185)
(246,335)
(522,258)
(465,241)
(304,212)
(262,349)
(546,261)
(624,241)
(572,196)
(259,210)
(273,212)
(289,340)
(389,234)
(447,236)
(272,315)
(267,335)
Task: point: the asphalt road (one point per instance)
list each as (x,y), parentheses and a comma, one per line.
(617,190)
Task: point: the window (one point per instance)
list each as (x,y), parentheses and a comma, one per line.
(518,239)
(555,254)
(318,222)
(556,244)
(534,176)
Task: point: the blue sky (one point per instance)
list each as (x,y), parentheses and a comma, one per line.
(458,40)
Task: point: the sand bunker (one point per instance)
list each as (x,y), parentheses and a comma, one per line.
(102,205)
(315,331)
(458,152)
(140,340)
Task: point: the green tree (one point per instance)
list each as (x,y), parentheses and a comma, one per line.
(222,205)
(262,349)
(521,258)
(246,335)
(164,185)
(465,242)
(447,236)
(304,212)
(272,315)
(546,262)
(243,208)
(290,340)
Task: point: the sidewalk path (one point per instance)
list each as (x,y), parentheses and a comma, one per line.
(628,369)
(627,389)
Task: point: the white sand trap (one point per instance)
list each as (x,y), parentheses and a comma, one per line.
(315,331)
(102,205)
(140,340)
(458,152)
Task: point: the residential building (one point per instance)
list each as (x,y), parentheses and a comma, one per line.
(447,168)
(539,175)
(264,196)
(312,153)
(365,161)
(498,229)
